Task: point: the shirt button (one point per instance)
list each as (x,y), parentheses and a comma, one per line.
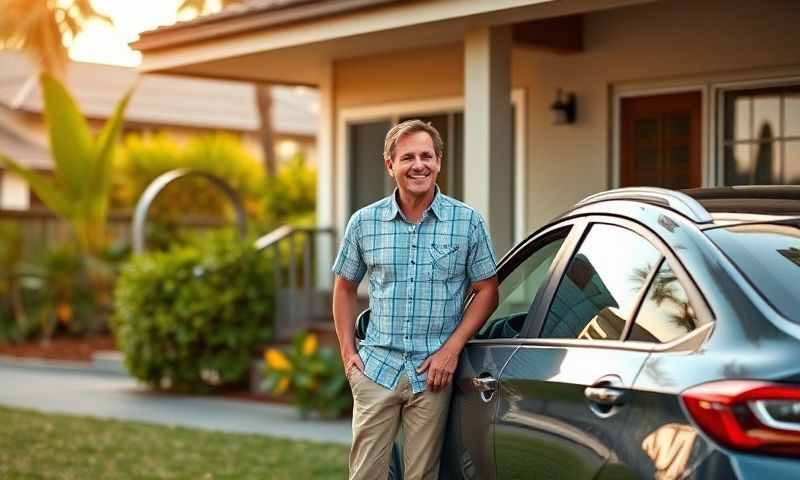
(412,262)
(412,279)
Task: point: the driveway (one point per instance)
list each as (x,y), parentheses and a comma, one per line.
(116,396)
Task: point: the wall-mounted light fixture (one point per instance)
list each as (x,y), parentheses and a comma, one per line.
(563,108)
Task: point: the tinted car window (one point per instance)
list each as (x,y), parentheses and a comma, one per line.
(599,289)
(518,290)
(769,256)
(665,313)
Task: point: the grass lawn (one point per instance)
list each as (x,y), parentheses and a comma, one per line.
(43,446)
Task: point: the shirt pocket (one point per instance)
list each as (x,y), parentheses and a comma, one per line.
(446,260)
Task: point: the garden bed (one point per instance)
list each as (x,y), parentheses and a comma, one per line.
(70,349)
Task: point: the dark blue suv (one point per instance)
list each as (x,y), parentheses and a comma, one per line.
(645,333)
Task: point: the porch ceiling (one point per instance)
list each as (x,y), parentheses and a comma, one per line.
(298,53)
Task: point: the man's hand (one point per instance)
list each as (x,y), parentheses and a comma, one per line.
(440,366)
(351,359)
(344,319)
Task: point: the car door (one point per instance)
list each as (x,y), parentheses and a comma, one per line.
(562,394)
(469,451)
(675,321)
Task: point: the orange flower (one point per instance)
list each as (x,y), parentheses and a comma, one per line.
(64,313)
(276,360)
(310,345)
(281,387)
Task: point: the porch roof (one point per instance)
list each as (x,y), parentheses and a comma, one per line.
(293,41)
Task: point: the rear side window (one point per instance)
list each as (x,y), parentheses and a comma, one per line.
(769,256)
(601,285)
(666,313)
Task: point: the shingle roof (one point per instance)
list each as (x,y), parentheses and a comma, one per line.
(247,15)
(239,9)
(162,99)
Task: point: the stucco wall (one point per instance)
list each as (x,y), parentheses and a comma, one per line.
(400,76)
(674,42)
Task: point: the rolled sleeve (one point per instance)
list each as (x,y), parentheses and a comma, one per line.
(349,262)
(481,261)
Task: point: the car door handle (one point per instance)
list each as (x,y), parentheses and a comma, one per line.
(605,395)
(485,384)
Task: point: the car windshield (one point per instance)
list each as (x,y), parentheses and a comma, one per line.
(768,254)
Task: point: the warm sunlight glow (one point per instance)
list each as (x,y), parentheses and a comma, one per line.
(100,43)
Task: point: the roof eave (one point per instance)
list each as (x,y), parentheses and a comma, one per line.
(247,21)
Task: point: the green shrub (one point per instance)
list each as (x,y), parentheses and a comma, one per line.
(66,293)
(142,158)
(311,374)
(193,317)
(290,196)
(55,292)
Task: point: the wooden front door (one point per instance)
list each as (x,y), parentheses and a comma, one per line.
(660,141)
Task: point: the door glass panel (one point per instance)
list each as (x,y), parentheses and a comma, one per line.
(518,290)
(677,168)
(738,170)
(646,130)
(368,176)
(767,117)
(767,164)
(792,116)
(680,125)
(666,313)
(647,165)
(456,164)
(598,292)
(742,119)
(792,162)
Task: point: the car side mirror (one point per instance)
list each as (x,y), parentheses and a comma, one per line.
(361,325)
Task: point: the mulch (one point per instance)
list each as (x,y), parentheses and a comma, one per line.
(71,349)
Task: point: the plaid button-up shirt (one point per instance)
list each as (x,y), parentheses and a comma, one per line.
(418,276)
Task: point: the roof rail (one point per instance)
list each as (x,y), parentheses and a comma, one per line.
(674,200)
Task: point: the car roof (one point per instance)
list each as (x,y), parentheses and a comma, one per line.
(711,207)
(748,204)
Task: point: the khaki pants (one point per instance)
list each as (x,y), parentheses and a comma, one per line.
(378,413)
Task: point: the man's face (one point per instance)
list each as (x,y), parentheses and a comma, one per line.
(414,165)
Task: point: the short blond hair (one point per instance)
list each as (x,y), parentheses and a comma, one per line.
(411,126)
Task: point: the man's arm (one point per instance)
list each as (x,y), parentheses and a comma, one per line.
(442,364)
(344,319)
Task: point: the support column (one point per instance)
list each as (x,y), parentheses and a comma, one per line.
(488,156)
(326,205)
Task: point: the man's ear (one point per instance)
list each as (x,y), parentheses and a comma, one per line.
(388,164)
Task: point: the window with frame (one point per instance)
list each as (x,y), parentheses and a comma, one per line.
(761,136)
(518,289)
(601,286)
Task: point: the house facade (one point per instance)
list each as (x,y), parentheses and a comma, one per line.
(673,93)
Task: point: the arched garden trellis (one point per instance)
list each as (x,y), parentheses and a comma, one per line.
(156,186)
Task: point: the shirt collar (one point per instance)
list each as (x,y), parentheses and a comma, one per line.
(437,206)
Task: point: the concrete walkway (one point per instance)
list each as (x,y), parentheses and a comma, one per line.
(72,391)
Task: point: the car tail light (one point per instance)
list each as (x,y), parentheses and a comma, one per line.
(748,415)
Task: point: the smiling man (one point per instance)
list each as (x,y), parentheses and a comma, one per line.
(422,251)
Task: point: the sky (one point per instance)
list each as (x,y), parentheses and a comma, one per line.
(101,43)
